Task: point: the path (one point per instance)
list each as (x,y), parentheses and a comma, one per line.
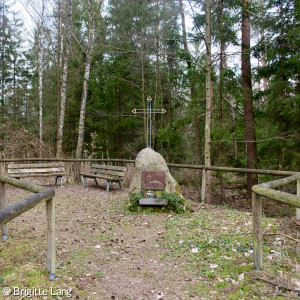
(105,252)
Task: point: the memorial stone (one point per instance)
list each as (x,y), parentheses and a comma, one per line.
(152,174)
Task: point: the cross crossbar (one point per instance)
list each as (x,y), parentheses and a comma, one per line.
(149,111)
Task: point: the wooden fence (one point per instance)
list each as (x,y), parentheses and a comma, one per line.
(264,189)
(8,213)
(268,190)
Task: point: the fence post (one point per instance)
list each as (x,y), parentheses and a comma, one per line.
(67,171)
(257,230)
(51,252)
(298,194)
(203,185)
(77,168)
(3,204)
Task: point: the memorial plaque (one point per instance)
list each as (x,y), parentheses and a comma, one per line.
(153,180)
(152,202)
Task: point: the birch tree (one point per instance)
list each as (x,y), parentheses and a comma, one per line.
(59,57)
(86,80)
(4,55)
(64,81)
(207,159)
(40,73)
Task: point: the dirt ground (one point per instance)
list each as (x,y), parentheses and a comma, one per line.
(107,252)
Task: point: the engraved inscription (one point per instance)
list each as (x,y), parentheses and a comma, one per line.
(153,180)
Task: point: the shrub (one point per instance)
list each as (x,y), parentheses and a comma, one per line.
(175,204)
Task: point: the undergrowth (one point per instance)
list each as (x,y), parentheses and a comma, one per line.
(175,204)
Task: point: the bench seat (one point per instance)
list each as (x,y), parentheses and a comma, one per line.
(107,172)
(37,170)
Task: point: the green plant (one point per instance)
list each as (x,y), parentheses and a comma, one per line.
(175,204)
(134,201)
(99,274)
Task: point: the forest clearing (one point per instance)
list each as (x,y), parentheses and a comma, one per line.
(106,252)
(123,90)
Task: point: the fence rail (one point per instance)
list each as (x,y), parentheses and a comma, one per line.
(8,213)
(268,190)
(184,166)
(264,189)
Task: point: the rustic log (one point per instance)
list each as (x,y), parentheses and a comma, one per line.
(277,195)
(51,254)
(67,171)
(186,166)
(235,170)
(21,184)
(23,160)
(280,182)
(257,231)
(203,185)
(8,213)
(3,204)
(284,235)
(279,285)
(12,211)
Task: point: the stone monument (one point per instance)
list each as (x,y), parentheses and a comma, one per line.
(152,174)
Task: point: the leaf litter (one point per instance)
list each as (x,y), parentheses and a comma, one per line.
(106,252)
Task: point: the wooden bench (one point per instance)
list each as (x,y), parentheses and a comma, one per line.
(37,170)
(109,173)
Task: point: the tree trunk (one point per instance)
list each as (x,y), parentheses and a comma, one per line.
(2,78)
(59,61)
(233,116)
(85,84)
(208,103)
(64,83)
(197,121)
(40,72)
(221,68)
(248,100)
(143,80)
(263,55)
(157,72)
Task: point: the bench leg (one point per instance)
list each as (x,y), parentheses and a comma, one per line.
(84,181)
(56,180)
(107,185)
(96,181)
(61,181)
(120,184)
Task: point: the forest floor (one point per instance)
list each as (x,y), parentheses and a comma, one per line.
(106,252)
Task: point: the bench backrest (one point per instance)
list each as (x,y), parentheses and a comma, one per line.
(108,170)
(36,168)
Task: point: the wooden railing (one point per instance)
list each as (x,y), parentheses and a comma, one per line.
(264,189)
(8,213)
(268,190)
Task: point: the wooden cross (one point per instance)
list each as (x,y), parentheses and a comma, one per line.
(149,111)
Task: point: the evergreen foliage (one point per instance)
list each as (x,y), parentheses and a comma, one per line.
(139,51)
